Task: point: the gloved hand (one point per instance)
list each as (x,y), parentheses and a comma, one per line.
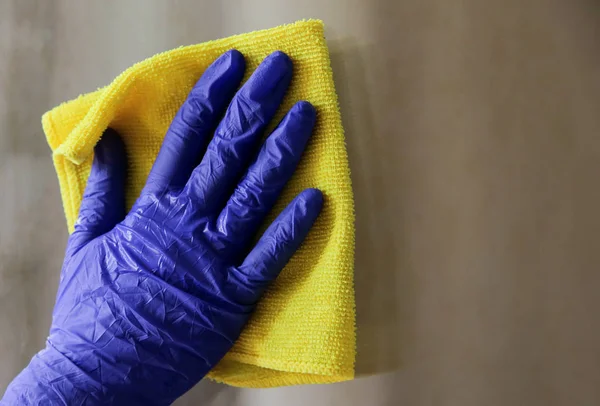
(150,301)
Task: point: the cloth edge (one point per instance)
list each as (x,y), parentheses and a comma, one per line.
(79,144)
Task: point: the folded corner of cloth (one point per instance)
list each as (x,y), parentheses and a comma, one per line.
(303,330)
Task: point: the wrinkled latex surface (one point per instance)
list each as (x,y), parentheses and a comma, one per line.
(150,301)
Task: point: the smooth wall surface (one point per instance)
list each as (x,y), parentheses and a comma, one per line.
(473,130)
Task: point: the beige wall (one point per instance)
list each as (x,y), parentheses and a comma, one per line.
(473,129)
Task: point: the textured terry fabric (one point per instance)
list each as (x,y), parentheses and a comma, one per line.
(303,329)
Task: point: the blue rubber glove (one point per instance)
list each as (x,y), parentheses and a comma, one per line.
(150,301)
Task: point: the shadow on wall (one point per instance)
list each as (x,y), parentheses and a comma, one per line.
(32,235)
(207,392)
(382,279)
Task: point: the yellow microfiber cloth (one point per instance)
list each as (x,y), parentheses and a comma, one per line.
(303,329)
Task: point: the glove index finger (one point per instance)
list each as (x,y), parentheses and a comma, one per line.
(195,122)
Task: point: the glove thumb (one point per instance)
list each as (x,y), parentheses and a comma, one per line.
(103,204)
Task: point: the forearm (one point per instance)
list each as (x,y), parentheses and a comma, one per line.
(84,374)
(52,379)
